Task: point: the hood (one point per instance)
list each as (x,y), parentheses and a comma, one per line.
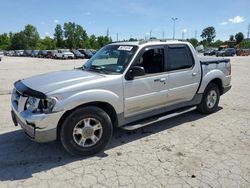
(46,83)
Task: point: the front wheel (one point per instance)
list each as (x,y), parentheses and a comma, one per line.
(86,131)
(210,99)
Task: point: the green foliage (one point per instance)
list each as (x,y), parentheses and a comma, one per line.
(31,36)
(18,41)
(4,41)
(193,41)
(245,44)
(208,34)
(239,37)
(101,40)
(75,35)
(93,42)
(58,36)
(217,43)
(46,44)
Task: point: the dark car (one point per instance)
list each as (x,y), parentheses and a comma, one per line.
(27,53)
(42,53)
(88,54)
(34,53)
(226,52)
(49,54)
(210,52)
(78,55)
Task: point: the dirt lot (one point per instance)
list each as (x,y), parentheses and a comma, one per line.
(191,150)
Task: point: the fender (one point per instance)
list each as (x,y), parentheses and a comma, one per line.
(94,95)
(211,75)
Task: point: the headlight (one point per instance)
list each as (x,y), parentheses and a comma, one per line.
(32,104)
(48,104)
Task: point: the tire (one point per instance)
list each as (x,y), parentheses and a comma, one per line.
(77,131)
(210,99)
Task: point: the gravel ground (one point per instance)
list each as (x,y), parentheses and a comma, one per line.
(191,150)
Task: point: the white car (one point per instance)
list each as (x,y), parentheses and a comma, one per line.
(63,54)
(1,55)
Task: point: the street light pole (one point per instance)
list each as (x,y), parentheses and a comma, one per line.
(174,19)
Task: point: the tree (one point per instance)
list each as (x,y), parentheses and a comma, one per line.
(231,38)
(217,43)
(193,41)
(46,44)
(102,41)
(58,36)
(239,37)
(245,44)
(31,36)
(208,34)
(75,35)
(4,41)
(93,42)
(18,41)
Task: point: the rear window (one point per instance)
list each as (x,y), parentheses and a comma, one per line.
(179,57)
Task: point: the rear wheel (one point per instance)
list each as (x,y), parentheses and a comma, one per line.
(210,99)
(86,131)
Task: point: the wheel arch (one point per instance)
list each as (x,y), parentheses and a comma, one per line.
(108,108)
(218,82)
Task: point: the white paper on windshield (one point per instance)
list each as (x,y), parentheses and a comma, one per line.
(125,48)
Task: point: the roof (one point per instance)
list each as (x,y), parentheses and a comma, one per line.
(152,42)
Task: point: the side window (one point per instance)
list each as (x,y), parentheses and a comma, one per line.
(152,60)
(179,57)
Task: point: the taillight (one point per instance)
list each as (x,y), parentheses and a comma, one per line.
(229,68)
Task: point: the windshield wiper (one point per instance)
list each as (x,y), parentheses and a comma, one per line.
(96,68)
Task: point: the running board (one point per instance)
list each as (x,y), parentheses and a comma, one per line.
(152,120)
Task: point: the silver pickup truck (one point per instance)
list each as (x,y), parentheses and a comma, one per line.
(127,85)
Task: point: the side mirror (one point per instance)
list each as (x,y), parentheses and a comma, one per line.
(135,71)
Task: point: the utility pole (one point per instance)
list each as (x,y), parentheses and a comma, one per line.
(174,19)
(163,35)
(117,36)
(150,34)
(107,32)
(248,32)
(195,34)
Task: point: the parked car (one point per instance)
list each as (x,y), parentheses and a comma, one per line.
(42,53)
(209,52)
(88,54)
(64,54)
(27,53)
(10,53)
(49,54)
(226,52)
(1,55)
(141,86)
(19,53)
(78,54)
(243,52)
(35,53)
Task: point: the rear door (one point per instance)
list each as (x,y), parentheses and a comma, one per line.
(184,73)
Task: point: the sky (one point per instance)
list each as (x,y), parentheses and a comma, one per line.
(129,18)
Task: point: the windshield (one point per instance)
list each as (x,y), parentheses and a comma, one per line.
(111,58)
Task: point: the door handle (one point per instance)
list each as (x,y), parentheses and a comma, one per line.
(194,74)
(163,80)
